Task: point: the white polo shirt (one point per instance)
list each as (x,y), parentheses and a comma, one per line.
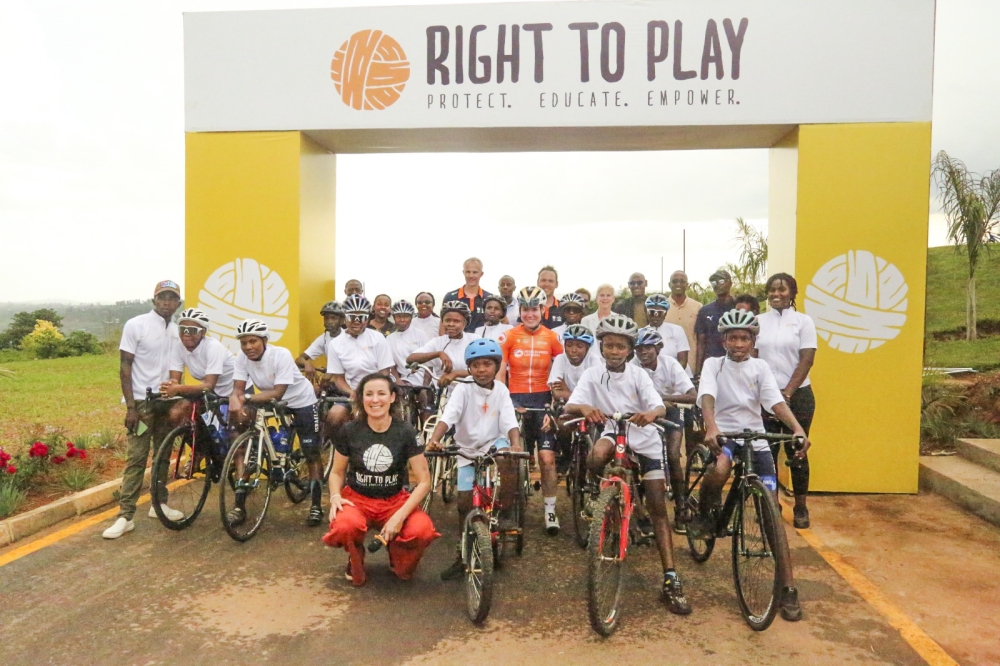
(669,377)
(740,390)
(492,332)
(429,326)
(275,367)
(629,391)
(150,339)
(455,349)
(356,357)
(210,357)
(402,344)
(563,370)
(674,339)
(782,335)
(480,416)
(318,346)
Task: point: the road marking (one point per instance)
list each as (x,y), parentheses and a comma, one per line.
(923,644)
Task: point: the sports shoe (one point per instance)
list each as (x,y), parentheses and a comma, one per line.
(121,526)
(801,518)
(701,526)
(347,571)
(680,525)
(645,525)
(672,594)
(455,570)
(171,514)
(315,516)
(790,609)
(236,516)
(551,523)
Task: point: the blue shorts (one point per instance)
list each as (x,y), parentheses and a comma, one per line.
(763,463)
(467,473)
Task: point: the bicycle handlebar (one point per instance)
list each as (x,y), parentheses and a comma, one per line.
(749,436)
(492,453)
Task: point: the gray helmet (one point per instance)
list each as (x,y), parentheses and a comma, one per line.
(648,336)
(657,302)
(739,320)
(402,307)
(571,300)
(618,324)
(461,307)
(333,307)
(252,327)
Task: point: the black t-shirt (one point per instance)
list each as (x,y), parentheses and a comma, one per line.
(707,324)
(377,460)
(551,316)
(476,303)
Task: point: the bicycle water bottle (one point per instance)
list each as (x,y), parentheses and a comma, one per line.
(282,445)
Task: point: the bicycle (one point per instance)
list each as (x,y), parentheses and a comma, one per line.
(483,538)
(612,529)
(326,402)
(261,459)
(191,454)
(750,515)
(579,481)
(444,472)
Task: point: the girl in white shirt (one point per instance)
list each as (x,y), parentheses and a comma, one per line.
(494,309)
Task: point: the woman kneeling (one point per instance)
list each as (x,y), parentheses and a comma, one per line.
(372,452)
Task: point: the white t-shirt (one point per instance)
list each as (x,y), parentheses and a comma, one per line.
(480,416)
(563,370)
(402,344)
(356,357)
(275,367)
(674,339)
(492,332)
(429,326)
(210,357)
(318,346)
(629,391)
(455,349)
(740,390)
(150,339)
(669,377)
(782,335)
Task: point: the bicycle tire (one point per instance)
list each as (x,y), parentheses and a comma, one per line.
(189,496)
(296,475)
(701,549)
(479,570)
(435,465)
(449,479)
(757,537)
(578,476)
(258,483)
(521,506)
(604,561)
(326,457)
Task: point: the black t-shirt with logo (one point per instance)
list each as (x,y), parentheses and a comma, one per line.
(552,316)
(707,324)
(477,305)
(377,460)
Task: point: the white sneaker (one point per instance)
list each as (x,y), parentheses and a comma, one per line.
(121,526)
(551,523)
(171,514)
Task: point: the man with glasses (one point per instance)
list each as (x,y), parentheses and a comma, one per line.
(634,307)
(471,294)
(426,321)
(710,343)
(683,312)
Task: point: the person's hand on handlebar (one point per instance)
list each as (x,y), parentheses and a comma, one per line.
(446,365)
(593,414)
(712,441)
(644,418)
(801,448)
(434,445)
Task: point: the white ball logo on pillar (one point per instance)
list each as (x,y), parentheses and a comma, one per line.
(858,301)
(244,289)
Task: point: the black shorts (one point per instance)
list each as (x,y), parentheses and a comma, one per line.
(531,422)
(305,422)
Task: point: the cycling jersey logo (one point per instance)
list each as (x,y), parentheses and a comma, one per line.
(244,289)
(370,70)
(858,301)
(377,458)
(518,353)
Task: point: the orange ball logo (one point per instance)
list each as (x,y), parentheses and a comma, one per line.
(370,70)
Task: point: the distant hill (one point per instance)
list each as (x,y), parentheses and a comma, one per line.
(101,319)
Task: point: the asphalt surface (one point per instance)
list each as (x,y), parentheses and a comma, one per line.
(198,597)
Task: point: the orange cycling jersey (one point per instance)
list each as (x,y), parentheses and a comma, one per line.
(528,356)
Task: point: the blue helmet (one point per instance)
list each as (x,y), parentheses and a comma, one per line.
(648,336)
(483,348)
(657,302)
(578,332)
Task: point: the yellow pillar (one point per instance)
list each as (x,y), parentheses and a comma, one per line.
(859,251)
(260,232)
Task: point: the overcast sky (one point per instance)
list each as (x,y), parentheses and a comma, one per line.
(92,170)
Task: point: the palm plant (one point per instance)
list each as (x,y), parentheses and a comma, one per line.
(971,205)
(750,272)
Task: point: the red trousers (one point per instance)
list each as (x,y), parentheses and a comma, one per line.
(348,530)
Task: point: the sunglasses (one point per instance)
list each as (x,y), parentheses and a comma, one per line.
(634,283)
(190,330)
(357,317)
(425,302)
(718,282)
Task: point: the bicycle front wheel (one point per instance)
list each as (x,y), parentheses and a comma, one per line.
(479,570)
(243,501)
(436,464)
(579,480)
(606,561)
(185,473)
(701,547)
(297,475)
(449,478)
(759,545)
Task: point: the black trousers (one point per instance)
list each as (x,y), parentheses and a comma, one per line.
(803,406)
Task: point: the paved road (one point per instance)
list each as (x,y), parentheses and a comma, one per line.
(197,597)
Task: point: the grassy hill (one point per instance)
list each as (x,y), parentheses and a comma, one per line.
(947,271)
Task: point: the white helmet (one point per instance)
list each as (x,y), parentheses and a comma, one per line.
(402,307)
(195,315)
(618,324)
(739,320)
(252,327)
(357,304)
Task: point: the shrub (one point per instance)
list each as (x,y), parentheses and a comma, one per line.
(80,342)
(78,478)
(11,498)
(45,341)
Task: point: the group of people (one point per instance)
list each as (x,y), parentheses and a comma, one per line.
(653,355)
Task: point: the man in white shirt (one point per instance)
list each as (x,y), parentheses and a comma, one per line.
(447,352)
(622,387)
(145,359)
(333,324)
(732,391)
(403,342)
(206,359)
(494,309)
(511,308)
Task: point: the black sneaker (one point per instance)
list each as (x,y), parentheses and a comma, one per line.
(680,524)
(672,594)
(645,525)
(315,516)
(801,520)
(790,609)
(455,570)
(701,526)
(236,516)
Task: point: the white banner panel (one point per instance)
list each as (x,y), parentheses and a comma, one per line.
(561,64)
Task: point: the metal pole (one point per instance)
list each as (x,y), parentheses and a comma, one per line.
(684,250)
(661,273)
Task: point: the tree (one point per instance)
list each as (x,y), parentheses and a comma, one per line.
(45,341)
(971,205)
(24,323)
(750,272)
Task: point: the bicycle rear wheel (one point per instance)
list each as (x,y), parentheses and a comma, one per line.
(521,506)
(757,539)
(449,478)
(701,548)
(578,477)
(326,458)
(248,464)
(435,469)
(297,475)
(479,567)
(185,473)
(605,563)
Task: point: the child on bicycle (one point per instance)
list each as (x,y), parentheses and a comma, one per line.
(620,386)
(733,390)
(675,387)
(482,414)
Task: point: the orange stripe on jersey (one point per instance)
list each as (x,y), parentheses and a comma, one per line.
(529,357)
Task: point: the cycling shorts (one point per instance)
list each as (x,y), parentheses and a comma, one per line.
(467,473)
(305,422)
(763,463)
(531,422)
(650,468)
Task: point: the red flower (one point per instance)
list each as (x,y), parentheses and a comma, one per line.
(71,452)
(81,453)
(38,450)
(58,460)
(11,469)
(4,458)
